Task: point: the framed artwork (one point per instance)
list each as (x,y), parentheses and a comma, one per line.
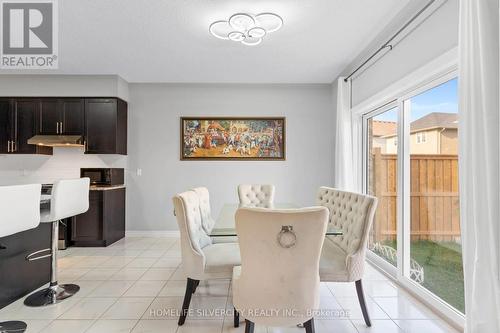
(230,138)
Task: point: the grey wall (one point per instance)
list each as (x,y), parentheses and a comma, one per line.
(154,121)
(432,38)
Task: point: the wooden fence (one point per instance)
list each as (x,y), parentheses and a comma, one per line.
(434,196)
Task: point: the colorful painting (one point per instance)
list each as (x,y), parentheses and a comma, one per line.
(232,138)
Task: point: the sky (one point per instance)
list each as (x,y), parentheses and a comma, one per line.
(443,98)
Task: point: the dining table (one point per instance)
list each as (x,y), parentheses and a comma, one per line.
(225,223)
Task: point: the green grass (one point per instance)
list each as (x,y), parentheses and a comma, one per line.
(443,270)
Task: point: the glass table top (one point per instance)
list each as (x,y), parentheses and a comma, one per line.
(225,223)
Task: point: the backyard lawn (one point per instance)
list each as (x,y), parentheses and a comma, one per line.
(442,263)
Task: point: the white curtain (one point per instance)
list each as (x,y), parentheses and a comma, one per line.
(344,156)
(479,168)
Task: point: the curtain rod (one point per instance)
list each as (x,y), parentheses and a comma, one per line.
(388,43)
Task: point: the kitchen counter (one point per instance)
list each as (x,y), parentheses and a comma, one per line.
(106,188)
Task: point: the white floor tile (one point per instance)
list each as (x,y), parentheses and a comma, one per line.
(152,254)
(156,326)
(351,305)
(145,289)
(342,289)
(380,288)
(66,326)
(427,326)
(174,288)
(158,274)
(35,326)
(337,326)
(112,326)
(164,308)
(23,312)
(219,287)
(378,326)
(99,274)
(142,263)
(128,274)
(111,289)
(70,274)
(167,263)
(403,308)
(128,308)
(197,326)
(86,287)
(88,308)
(117,262)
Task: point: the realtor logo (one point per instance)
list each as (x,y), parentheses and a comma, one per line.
(29,34)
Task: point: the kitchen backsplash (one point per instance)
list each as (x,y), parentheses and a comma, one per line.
(64,163)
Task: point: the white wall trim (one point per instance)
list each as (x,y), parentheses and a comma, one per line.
(443,64)
(152,233)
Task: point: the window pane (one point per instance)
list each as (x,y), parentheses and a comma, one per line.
(381,182)
(435,250)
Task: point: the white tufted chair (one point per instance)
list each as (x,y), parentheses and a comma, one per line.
(201,260)
(274,277)
(343,257)
(207,222)
(256,195)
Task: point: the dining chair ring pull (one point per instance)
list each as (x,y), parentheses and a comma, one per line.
(287,237)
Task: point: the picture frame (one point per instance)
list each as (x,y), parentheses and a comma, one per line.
(233,138)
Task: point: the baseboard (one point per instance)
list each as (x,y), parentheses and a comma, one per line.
(152,233)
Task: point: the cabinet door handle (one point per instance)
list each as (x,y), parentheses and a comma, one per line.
(61,128)
(57,125)
(8,146)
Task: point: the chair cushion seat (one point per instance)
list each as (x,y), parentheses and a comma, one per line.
(221,258)
(332,264)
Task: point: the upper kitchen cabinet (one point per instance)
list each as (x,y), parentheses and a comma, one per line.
(105,126)
(18,123)
(62,116)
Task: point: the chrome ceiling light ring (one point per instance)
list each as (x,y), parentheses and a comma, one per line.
(251,41)
(246,28)
(257,32)
(241,22)
(220,29)
(236,36)
(269,21)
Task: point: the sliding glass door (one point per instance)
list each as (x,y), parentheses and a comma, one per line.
(381,180)
(411,162)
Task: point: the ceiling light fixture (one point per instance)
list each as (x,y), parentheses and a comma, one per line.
(246,28)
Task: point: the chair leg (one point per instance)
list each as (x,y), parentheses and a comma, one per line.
(249,326)
(309,325)
(196,284)
(362,303)
(190,288)
(236,318)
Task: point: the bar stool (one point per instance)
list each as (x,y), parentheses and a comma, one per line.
(19,211)
(68,198)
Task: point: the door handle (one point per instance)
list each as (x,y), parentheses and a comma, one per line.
(61,128)
(57,127)
(8,146)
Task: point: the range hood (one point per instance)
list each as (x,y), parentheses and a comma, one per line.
(57,140)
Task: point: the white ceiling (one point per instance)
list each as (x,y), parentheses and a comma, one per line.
(168,40)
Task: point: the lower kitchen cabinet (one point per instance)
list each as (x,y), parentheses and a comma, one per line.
(18,276)
(104,222)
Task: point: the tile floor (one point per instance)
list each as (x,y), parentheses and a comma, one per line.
(136,285)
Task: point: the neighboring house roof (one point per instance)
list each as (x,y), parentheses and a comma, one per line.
(383,128)
(432,121)
(435,120)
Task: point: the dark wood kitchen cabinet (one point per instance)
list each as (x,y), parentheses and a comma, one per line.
(18,276)
(105,126)
(62,116)
(104,222)
(18,121)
